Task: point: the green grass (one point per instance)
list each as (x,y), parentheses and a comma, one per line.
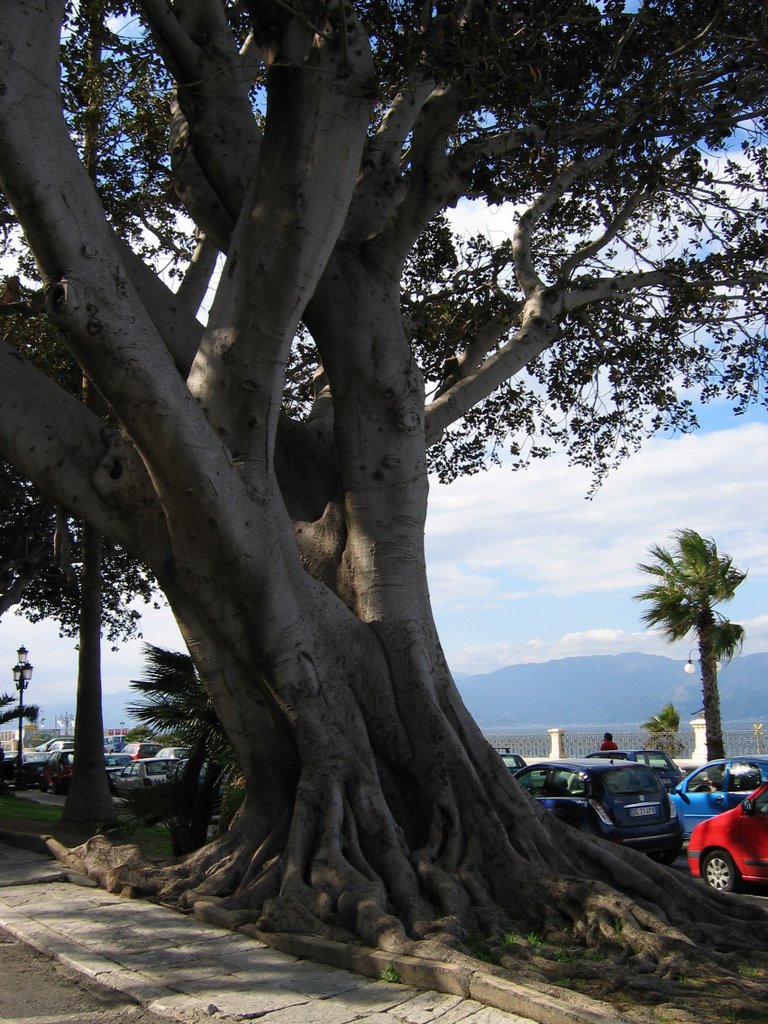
(44,819)
(10,807)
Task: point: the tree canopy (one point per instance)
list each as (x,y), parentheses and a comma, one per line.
(268,459)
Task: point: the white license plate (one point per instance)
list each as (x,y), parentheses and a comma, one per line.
(637,812)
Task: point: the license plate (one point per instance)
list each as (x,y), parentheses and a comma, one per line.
(638,812)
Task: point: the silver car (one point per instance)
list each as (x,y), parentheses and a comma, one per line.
(149,771)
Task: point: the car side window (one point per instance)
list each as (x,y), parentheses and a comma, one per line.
(743,777)
(534,781)
(558,782)
(709,780)
(761,803)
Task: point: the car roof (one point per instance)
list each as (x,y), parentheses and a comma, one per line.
(762,758)
(593,764)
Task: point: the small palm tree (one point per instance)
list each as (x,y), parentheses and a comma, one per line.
(664,728)
(687,585)
(174,702)
(9,712)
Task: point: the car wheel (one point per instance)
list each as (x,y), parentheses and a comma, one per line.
(719,871)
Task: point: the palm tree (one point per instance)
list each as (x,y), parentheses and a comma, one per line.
(664,728)
(174,702)
(687,584)
(9,712)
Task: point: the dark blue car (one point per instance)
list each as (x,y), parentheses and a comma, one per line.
(622,801)
(718,786)
(661,763)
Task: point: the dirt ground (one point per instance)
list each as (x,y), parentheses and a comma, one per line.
(37,988)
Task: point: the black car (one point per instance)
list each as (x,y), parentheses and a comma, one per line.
(661,763)
(620,800)
(32,765)
(512,761)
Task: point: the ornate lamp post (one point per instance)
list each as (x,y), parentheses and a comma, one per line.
(22,673)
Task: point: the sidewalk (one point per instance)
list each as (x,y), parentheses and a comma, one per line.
(190,971)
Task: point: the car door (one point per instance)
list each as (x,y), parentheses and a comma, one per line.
(702,795)
(128,777)
(743,777)
(751,856)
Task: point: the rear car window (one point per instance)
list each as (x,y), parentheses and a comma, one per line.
(637,779)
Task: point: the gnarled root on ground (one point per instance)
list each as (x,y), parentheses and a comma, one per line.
(606,920)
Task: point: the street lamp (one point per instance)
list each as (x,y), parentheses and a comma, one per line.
(22,673)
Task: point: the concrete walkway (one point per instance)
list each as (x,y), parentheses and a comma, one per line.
(189,970)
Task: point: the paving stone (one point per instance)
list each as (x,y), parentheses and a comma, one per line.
(190,971)
(427,1007)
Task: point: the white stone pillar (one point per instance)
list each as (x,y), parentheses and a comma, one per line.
(556,744)
(699,754)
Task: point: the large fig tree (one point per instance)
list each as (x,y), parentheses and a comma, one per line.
(271,467)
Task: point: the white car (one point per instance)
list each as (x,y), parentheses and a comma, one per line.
(173,752)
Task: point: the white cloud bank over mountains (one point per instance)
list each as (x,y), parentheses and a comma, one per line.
(553,574)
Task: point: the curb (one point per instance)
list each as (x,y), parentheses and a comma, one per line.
(25,841)
(546,1007)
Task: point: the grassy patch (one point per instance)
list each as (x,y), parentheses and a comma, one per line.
(18,815)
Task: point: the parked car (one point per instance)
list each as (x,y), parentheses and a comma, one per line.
(716,787)
(56,772)
(622,801)
(113,765)
(50,745)
(732,847)
(512,761)
(138,749)
(173,752)
(661,763)
(32,764)
(147,771)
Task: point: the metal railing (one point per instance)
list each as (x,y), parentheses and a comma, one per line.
(532,745)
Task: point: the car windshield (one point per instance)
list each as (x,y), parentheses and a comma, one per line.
(629,780)
(656,759)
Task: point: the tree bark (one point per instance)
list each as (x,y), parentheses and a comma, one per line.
(89,797)
(292,553)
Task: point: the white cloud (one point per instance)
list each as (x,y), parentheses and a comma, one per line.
(538,528)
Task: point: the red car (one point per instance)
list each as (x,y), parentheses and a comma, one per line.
(733,846)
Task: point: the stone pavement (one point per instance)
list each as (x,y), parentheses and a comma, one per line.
(188,970)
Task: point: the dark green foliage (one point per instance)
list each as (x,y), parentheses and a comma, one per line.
(175,703)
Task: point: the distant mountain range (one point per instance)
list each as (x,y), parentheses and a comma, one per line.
(604,691)
(610,692)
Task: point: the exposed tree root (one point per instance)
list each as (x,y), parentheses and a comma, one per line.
(612,924)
